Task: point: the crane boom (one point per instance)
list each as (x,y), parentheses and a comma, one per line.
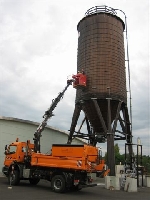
(48,114)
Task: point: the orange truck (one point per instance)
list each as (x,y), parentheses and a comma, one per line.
(68,166)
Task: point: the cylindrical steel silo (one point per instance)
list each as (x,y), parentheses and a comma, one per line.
(101,56)
(103,98)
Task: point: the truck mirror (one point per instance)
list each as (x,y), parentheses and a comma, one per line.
(5,147)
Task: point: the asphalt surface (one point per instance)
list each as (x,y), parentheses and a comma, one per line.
(42,191)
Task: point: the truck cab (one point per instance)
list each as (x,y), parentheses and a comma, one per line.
(16,152)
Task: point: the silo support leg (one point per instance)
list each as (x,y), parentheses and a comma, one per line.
(128,126)
(110,143)
(100,115)
(75,118)
(117,116)
(81,125)
(110,153)
(122,124)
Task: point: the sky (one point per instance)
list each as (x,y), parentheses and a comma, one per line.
(38,51)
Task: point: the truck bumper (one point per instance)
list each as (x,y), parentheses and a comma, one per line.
(5,170)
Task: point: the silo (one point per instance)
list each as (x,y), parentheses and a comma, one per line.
(101,56)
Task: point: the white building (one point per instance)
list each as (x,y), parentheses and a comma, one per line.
(12,128)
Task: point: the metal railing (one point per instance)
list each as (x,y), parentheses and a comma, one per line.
(99,9)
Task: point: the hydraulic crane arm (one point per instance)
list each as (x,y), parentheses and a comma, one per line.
(48,114)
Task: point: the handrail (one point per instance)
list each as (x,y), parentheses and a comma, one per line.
(128,63)
(99,9)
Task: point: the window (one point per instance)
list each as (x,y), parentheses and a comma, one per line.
(12,149)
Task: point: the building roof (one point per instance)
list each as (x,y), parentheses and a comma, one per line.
(36,124)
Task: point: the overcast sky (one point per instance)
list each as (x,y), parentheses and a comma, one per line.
(38,50)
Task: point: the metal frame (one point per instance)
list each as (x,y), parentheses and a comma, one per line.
(110,132)
(134,160)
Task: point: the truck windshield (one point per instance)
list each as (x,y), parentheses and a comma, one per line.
(12,149)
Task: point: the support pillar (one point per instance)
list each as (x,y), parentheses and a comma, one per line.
(110,153)
(75,118)
(110,143)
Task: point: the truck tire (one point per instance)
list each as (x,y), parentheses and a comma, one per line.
(14,178)
(58,183)
(34,181)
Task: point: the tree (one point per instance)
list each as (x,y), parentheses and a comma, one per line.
(146,163)
(121,159)
(118,157)
(116,149)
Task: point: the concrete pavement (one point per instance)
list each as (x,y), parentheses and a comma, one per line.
(43,192)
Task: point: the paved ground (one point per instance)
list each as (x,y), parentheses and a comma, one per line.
(43,192)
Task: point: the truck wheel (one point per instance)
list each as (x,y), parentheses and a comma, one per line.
(58,183)
(14,179)
(34,181)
